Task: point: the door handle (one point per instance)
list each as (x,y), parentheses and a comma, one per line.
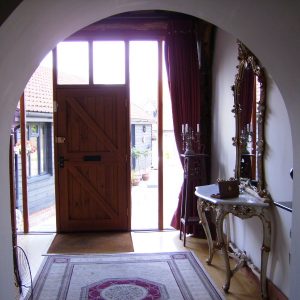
(61,161)
(92,158)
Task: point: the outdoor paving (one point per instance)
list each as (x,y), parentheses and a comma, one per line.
(145,199)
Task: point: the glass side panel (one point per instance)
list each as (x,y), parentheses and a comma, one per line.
(109,62)
(143,70)
(73,63)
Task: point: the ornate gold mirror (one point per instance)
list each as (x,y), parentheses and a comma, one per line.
(249,92)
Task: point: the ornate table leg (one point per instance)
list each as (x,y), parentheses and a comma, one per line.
(222,245)
(265,250)
(201,205)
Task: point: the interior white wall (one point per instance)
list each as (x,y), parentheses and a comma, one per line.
(278,162)
(223,121)
(279,147)
(247,234)
(270,29)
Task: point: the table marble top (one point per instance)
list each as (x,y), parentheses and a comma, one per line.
(206,191)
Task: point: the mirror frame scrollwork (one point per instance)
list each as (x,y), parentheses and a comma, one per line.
(247,58)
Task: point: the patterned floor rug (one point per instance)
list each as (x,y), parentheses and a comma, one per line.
(130,276)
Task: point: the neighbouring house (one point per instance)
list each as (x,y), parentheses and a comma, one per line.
(143,134)
(38,97)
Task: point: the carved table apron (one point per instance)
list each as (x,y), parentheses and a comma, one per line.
(245,206)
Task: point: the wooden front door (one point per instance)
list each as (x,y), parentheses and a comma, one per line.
(92,156)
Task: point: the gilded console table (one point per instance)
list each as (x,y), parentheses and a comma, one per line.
(245,206)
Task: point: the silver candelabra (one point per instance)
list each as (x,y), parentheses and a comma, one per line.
(190,140)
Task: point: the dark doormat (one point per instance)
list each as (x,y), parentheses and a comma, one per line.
(100,242)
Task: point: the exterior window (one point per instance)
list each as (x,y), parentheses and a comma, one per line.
(38,149)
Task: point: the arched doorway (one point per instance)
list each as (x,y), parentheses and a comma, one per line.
(85,13)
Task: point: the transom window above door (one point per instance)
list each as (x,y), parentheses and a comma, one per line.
(109,62)
(86,62)
(73,63)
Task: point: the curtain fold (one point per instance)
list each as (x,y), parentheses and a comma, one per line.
(188,48)
(246,99)
(247,96)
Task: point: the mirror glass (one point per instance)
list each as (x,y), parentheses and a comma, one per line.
(249,108)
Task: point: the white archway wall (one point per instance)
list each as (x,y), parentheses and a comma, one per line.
(270,30)
(247,234)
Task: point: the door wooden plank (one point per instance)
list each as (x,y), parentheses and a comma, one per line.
(89,188)
(101,135)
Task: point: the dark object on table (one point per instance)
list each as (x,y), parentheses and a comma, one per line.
(228,188)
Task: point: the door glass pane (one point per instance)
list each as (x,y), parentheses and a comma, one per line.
(42,150)
(109,62)
(143,69)
(73,63)
(34,167)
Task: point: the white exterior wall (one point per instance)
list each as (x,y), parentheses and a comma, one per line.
(271,29)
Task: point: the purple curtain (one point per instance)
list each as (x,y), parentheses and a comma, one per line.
(246,99)
(186,48)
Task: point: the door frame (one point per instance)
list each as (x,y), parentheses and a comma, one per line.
(56,87)
(131,34)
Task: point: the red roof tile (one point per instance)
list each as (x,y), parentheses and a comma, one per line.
(38,92)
